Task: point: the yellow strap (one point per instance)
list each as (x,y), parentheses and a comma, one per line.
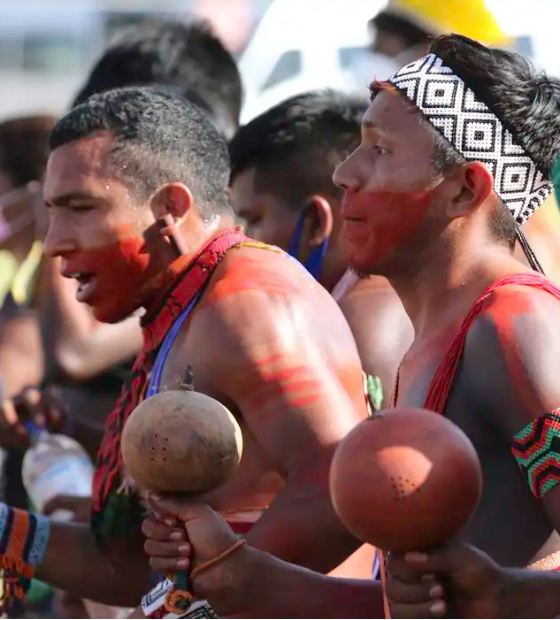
(8,270)
(259,245)
(24,279)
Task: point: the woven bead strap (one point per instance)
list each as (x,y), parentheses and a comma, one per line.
(537,450)
(23,542)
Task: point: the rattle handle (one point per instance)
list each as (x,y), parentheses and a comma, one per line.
(182,581)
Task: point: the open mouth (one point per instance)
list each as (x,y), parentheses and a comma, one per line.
(85,282)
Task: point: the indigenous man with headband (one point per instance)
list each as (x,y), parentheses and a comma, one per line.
(456,149)
(281,187)
(136,187)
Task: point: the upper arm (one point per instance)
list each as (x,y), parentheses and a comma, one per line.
(100,349)
(266,360)
(513,353)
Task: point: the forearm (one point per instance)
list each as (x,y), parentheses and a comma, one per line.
(266,587)
(86,412)
(531,594)
(75,563)
(91,353)
(301,527)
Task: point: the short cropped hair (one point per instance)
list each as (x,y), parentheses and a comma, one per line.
(295,146)
(159,138)
(24,148)
(188,59)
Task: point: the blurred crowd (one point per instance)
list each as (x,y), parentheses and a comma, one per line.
(60,368)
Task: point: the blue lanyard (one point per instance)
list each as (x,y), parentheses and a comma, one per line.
(157,370)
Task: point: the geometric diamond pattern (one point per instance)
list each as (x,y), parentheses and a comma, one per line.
(475,131)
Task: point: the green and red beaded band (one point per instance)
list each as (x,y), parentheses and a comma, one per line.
(537,450)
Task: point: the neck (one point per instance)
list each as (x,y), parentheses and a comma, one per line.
(333,274)
(194,240)
(450,277)
(335,264)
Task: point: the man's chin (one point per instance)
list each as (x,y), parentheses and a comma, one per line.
(106,314)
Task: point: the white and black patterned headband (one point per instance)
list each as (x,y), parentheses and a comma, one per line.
(475,131)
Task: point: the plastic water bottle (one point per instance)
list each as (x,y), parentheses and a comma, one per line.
(55,465)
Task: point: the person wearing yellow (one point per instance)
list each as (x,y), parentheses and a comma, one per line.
(23,156)
(404,28)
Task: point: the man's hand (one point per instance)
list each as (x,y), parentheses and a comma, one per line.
(184,536)
(455,580)
(44,408)
(80,507)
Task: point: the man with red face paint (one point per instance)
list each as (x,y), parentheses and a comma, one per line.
(456,149)
(136,187)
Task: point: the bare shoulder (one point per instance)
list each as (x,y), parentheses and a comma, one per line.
(370,299)
(372,286)
(258,294)
(511,362)
(522,318)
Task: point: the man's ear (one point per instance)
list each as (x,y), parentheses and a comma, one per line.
(474,185)
(174,199)
(319,218)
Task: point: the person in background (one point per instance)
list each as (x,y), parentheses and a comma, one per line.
(404,29)
(281,188)
(24,148)
(23,157)
(188,59)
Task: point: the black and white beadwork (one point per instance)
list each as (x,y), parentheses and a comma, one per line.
(475,131)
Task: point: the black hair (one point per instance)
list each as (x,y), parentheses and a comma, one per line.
(411,34)
(527,103)
(159,138)
(186,58)
(298,143)
(24,148)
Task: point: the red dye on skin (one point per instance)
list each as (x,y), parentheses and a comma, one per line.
(507,307)
(244,273)
(119,273)
(379,224)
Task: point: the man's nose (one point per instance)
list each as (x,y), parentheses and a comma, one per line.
(344,175)
(57,241)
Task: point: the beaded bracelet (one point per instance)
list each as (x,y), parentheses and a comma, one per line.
(23,542)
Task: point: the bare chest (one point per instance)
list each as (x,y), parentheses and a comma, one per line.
(524,531)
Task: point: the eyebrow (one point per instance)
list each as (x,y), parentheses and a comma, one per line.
(376,127)
(64,200)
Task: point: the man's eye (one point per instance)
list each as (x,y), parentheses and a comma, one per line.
(381,150)
(80,207)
